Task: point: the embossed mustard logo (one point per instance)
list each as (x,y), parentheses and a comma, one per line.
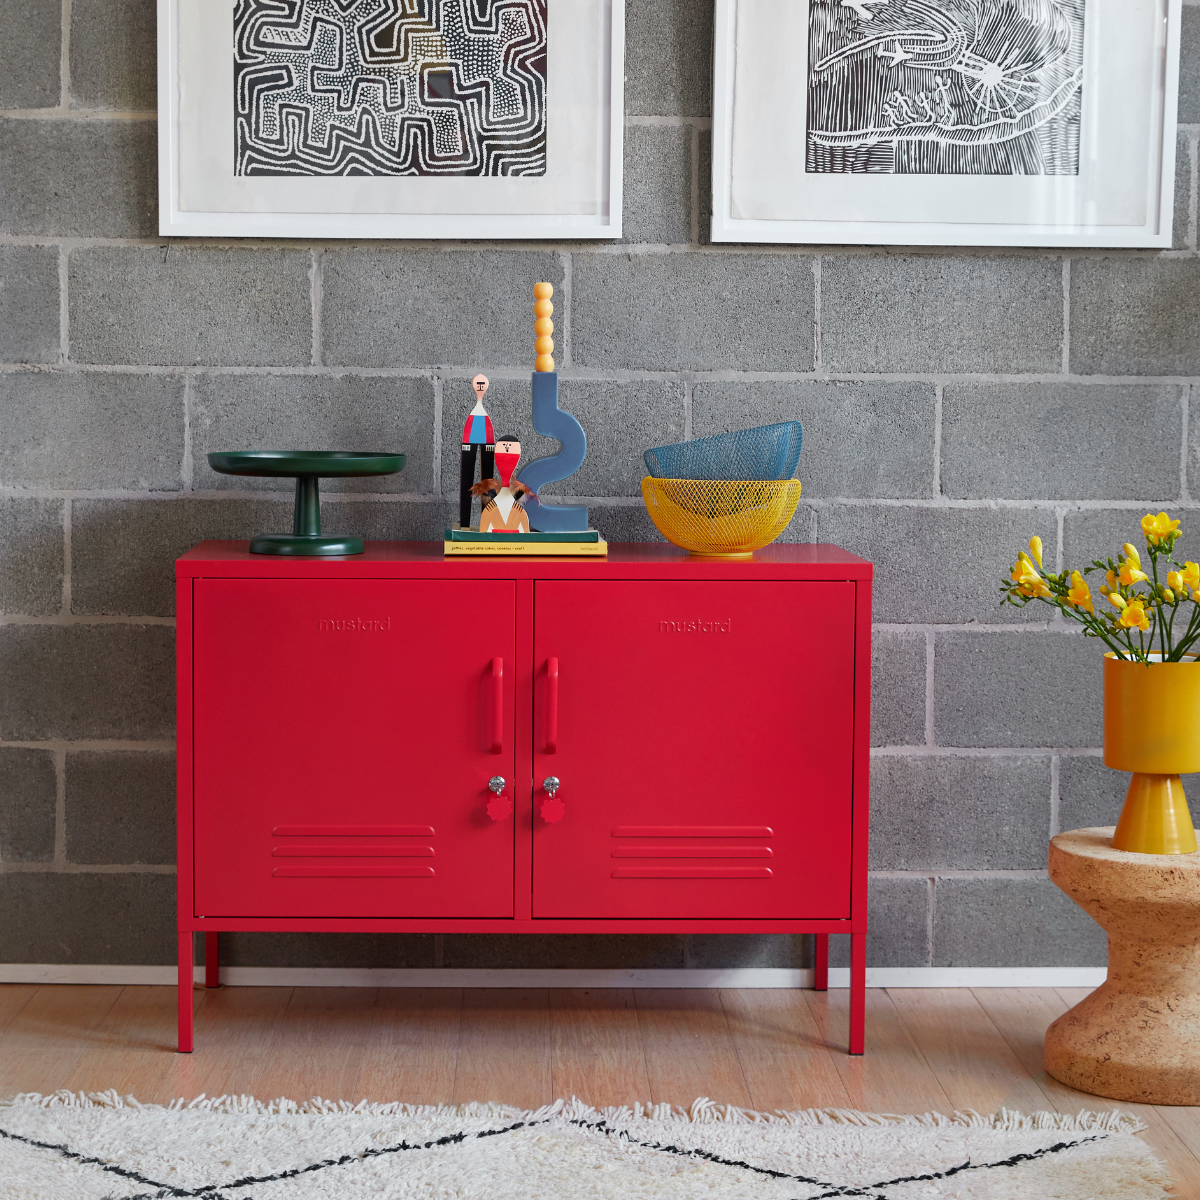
(355,625)
(725,626)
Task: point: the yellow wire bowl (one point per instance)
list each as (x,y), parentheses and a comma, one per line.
(721,518)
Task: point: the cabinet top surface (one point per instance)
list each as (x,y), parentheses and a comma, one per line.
(382,559)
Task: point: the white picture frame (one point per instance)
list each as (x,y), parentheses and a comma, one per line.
(1121,193)
(579,196)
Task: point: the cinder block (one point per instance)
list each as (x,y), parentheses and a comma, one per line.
(392,950)
(595,950)
(668,58)
(405,308)
(621,421)
(87,681)
(1180,228)
(624,523)
(1189,66)
(909,546)
(79,179)
(82,430)
(705,188)
(346,412)
(1091,794)
(1193,458)
(31,556)
(28,796)
(1009,922)
(941,312)
(1100,534)
(29,304)
(898,925)
(658,183)
(1135,316)
(941,812)
(1017,689)
(749,312)
(1060,441)
(123,552)
(860,439)
(32,50)
(113,54)
(191,305)
(897,688)
(120,806)
(715,950)
(87,917)
(386,520)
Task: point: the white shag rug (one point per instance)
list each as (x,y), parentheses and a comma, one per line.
(89,1147)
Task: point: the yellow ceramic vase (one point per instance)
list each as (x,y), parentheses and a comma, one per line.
(1152,728)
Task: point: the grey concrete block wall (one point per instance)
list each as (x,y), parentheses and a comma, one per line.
(954,401)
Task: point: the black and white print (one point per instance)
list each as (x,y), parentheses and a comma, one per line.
(945,87)
(390,87)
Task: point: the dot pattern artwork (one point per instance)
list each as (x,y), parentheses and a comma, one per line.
(390,87)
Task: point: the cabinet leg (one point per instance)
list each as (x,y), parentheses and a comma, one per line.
(821,962)
(186,1011)
(212,959)
(858,991)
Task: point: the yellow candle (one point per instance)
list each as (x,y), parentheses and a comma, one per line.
(543,326)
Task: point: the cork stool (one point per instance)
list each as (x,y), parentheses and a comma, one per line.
(1137,1037)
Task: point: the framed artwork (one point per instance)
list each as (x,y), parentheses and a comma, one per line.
(945,122)
(391,118)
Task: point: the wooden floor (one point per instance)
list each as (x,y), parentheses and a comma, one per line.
(927,1050)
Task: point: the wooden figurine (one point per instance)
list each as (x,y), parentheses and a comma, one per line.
(477,436)
(502,509)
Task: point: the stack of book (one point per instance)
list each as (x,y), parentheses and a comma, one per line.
(472,542)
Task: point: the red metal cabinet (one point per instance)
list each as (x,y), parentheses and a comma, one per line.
(340,720)
(702,736)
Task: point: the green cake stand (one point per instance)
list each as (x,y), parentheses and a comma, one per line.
(308,468)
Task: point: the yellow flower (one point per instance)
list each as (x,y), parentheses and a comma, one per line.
(1116,599)
(1133,616)
(1079,595)
(1111,577)
(1168,595)
(1191,575)
(1159,528)
(1130,574)
(1175,581)
(1028,581)
(1035,548)
(1132,554)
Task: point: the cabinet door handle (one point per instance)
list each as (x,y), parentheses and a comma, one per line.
(552,706)
(496,716)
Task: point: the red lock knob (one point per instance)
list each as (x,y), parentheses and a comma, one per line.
(499,807)
(553,810)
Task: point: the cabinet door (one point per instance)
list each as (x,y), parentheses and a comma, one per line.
(703,740)
(344,739)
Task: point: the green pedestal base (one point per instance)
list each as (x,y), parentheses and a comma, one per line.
(301,546)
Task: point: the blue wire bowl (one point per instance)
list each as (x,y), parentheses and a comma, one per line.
(767,452)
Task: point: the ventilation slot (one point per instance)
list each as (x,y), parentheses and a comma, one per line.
(693,831)
(316,871)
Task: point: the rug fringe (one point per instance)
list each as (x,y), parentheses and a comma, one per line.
(702,1111)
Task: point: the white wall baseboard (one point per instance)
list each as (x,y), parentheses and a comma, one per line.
(730,977)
